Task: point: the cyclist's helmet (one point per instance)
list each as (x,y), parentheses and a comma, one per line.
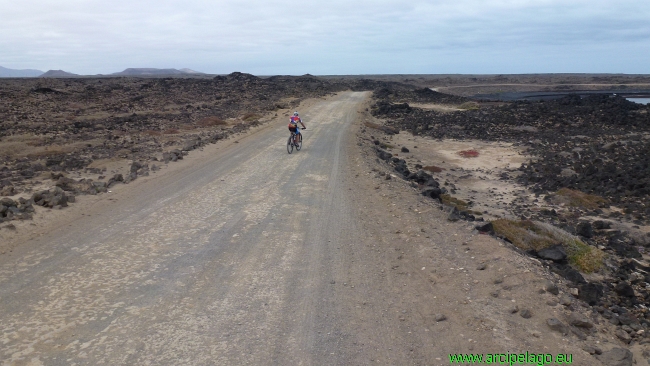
(295,113)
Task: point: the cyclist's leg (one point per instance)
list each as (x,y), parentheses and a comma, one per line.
(295,137)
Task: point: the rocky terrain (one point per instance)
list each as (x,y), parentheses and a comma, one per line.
(84,135)
(586,173)
(586,177)
(73,133)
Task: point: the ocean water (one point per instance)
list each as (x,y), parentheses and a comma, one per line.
(639,100)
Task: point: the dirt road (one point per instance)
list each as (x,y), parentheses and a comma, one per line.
(254,256)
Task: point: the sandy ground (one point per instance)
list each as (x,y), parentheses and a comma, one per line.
(475,179)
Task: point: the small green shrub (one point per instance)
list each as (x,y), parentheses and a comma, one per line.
(578,199)
(469,106)
(535,235)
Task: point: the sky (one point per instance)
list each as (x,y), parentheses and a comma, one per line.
(333,37)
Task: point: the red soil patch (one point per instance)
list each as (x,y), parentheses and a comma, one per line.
(468,153)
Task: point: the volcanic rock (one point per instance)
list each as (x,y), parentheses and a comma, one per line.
(555,253)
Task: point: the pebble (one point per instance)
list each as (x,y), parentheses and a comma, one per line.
(481,266)
(526,314)
(622,335)
(557,325)
(441,317)
(566,300)
(550,287)
(579,320)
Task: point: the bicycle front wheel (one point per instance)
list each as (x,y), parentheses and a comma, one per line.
(290,145)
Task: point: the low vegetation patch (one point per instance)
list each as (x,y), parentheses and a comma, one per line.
(211,121)
(433,169)
(469,106)
(250,117)
(453,201)
(535,235)
(468,153)
(386,129)
(458,203)
(578,199)
(152,133)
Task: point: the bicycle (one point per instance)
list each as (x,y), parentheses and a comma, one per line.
(295,140)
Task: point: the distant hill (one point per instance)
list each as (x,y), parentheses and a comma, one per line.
(154,71)
(190,71)
(58,74)
(11,73)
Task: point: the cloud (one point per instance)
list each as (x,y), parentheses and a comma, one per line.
(287,36)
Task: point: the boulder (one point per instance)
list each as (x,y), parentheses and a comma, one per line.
(135,166)
(591,293)
(6,201)
(585,229)
(616,357)
(555,253)
(384,155)
(486,228)
(625,290)
(568,272)
(579,320)
(432,192)
(551,288)
(557,325)
(454,215)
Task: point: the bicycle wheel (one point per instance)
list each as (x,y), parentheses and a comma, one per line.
(299,144)
(289,145)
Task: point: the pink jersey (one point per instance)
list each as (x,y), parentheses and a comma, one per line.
(294,120)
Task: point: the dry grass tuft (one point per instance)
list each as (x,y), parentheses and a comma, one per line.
(469,153)
(458,203)
(453,201)
(535,235)
(41,154)
(211,121)
(433,169)
(578,199)
(152,133)
(250,117)
(469,106)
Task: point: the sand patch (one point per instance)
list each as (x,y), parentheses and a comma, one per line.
(479,179)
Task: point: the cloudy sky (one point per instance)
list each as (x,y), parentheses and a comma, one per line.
(295,37)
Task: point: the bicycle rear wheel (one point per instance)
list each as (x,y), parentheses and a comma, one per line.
(299,144)
(290,145)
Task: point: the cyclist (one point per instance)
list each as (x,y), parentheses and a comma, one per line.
(293,126)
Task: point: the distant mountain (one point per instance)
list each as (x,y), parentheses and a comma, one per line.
(11,73)
(57,74)
(153,71)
